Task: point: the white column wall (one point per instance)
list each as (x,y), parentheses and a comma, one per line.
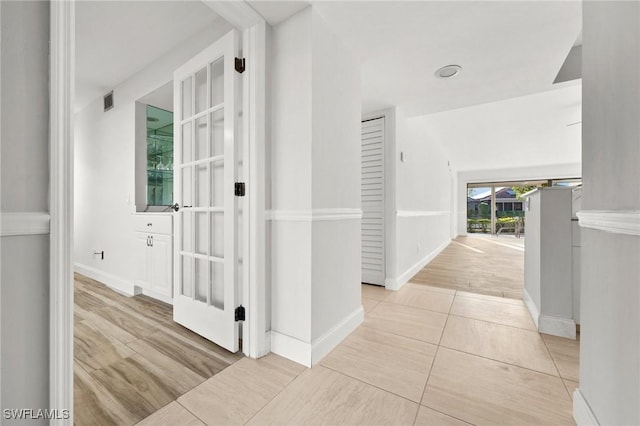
(610,296)
(336,108)
(314,155)
(24,249)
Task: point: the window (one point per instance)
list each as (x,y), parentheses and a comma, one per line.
(517,206)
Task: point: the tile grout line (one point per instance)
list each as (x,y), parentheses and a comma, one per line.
(496,323)
(562,379)
(502,362)
(435,355)
(191,412)
(293,379)
(369,384)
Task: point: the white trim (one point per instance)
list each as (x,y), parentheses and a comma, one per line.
(582,413)
(556,326)
(327,342)
(159,296)
(24,223)
(421,213)
(398,283)
(61,83)
(254,121)
(625,222)
(309,354)
(114,282)
(290,348)
(238,13)
(316,215)
(531,306)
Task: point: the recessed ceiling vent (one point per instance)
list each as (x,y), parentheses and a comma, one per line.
(108,101)
(448,71)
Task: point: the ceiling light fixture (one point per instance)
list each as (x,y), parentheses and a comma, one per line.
(448,71)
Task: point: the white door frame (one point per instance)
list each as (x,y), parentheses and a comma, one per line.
(62,90)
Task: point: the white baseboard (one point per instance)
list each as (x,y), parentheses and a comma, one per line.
(326,343)
(309,354)
(290,348)
(155,295)
(531,306)
(114,282)
(556,326)
(398,283)
(582,413)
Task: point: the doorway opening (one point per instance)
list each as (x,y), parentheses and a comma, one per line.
(131,356)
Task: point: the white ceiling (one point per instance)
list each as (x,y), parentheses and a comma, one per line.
(506,49)
(533,130)
(115,39)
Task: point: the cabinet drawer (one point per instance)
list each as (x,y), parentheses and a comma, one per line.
(154,223)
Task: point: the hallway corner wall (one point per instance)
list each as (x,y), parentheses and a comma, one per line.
(24,260)
(423,185)
(610,296)
(314,189)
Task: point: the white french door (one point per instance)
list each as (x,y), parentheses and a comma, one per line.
(206,140)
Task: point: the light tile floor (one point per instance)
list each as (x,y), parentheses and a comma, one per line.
(424,356)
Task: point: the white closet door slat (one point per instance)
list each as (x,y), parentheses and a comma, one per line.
(372,192)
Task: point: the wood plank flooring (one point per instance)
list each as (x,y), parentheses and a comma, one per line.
(131,359)
(478,264)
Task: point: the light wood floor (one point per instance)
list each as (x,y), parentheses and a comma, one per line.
(482,264)
(423,356)
(130,358)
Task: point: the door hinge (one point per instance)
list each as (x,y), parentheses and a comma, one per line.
(240,65)
(240,313)
(239,189)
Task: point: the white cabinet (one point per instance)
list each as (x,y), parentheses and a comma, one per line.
(154,255)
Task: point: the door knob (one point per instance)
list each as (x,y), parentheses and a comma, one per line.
(175,207)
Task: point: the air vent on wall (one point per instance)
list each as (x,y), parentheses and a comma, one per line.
(108,101)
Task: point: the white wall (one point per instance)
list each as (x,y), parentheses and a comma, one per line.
(610,295)
(314,154)
(105,168)
(335,176)
(507,174)
(423,187)
(24,189)
(548,281)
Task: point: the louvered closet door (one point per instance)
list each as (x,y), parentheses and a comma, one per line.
(373,201)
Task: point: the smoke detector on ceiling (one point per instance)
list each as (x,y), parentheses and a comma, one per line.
(448,71)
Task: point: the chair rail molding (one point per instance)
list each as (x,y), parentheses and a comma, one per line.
(24,223)
(315,215)
(421,213)
(625,222)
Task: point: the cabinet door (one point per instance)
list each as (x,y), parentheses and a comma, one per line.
(141,259)
(160,264)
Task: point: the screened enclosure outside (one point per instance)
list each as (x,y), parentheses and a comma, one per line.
(498,208)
